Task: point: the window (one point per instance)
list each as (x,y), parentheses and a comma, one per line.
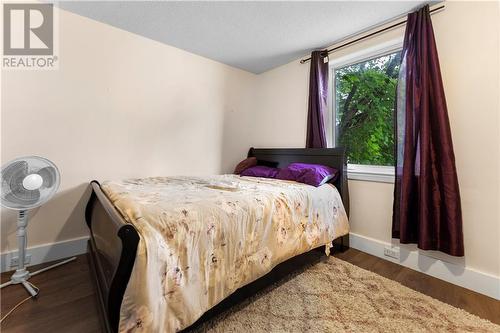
(362,107)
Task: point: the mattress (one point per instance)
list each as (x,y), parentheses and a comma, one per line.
(201,238)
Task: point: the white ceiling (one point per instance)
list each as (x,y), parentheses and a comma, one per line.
(254,36)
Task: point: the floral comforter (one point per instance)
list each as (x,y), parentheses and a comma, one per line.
(203,238)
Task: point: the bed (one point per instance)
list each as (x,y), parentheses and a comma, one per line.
(166,250)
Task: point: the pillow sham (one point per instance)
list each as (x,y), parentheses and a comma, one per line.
(253,161)
(312,174)
(260,171)
(245,164)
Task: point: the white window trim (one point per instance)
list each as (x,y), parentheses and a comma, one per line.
(374,173)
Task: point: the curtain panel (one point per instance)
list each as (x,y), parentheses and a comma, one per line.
(427,209)
(318,95)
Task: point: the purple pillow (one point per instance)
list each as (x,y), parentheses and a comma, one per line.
(245,164)
(312,174)
(260,171)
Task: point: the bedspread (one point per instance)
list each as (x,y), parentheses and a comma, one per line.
(201,238)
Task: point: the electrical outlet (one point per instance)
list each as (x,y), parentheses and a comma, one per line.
(392,252)
(14,261)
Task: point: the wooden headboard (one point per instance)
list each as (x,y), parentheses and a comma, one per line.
(333,157)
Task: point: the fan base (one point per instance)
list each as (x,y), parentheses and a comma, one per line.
(22,276)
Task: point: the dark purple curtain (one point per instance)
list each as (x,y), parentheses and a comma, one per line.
(318,94)
(426,197)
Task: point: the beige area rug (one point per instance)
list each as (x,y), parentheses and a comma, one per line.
(335,296)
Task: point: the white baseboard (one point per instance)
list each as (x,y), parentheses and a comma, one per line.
(47,252)
(469,278)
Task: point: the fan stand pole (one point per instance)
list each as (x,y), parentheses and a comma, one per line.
(21,275)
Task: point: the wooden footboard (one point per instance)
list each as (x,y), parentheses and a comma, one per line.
(112,245)
(113,242)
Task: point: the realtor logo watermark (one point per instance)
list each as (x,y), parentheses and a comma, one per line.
(29,36)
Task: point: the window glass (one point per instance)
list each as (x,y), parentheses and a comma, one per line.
(365,95)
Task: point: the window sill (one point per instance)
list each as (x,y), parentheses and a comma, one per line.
(371,173)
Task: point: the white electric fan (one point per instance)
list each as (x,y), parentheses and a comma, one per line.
(27,182)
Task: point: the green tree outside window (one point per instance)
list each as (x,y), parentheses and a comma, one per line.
(365,95)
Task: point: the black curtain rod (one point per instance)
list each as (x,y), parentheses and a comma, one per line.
(369,35)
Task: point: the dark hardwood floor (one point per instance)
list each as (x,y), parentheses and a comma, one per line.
(67,302)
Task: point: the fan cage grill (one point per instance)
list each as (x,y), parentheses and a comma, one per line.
(15,196)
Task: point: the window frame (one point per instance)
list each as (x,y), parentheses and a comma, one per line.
(376,173)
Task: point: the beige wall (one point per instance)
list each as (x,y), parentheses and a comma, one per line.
(467,36)
(119,105)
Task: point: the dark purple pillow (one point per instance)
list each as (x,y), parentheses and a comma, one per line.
(260,171)
(312,174)
(245,164)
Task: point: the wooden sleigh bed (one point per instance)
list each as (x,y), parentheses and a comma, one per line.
(113,243)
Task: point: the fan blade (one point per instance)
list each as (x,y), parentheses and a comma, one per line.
(24,196)
(49,176)
(15,170)
(13,176)
(12,184)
